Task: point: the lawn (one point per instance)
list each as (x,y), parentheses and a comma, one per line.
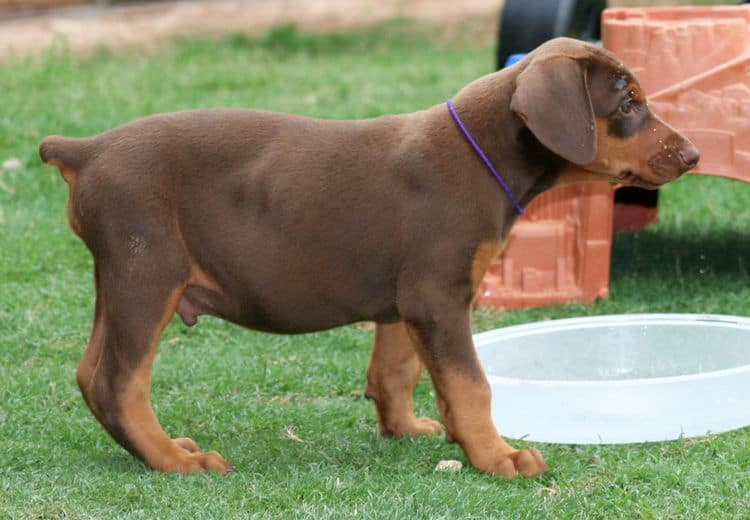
(289,411)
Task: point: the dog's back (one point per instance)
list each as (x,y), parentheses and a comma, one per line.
(258,187)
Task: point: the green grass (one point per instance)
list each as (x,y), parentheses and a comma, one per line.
(239,391)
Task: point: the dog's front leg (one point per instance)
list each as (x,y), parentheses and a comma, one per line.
(441,332)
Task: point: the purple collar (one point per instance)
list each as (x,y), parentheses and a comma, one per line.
(484,158)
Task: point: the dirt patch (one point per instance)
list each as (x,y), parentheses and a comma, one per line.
(148,26)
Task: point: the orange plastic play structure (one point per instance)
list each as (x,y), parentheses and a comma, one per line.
(558,252)
(694,65)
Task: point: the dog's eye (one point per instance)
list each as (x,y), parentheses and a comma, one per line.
(627,106)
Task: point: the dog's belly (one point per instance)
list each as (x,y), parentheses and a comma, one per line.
(284,306)
(293,281)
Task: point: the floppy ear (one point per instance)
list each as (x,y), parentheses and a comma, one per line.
(552,98)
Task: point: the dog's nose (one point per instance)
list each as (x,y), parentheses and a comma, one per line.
(689,155)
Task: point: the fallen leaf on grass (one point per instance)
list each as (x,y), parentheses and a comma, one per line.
(282,399)
(553,492)
(451,466)
(293,436)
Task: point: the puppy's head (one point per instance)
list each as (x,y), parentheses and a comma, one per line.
(584,105)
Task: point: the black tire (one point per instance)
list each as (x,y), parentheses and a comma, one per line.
(526,24)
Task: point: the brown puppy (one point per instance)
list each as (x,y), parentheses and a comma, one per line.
(289,224)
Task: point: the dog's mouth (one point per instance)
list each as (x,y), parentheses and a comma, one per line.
(629,178)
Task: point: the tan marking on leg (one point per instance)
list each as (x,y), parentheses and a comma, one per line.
(483,257)
(91,357)
(395,369)
(465,409)
(141,427)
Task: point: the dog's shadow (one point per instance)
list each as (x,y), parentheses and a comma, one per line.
(657,261)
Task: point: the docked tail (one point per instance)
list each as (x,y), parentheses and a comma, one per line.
(67,153)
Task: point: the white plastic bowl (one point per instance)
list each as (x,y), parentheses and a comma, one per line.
(619,379)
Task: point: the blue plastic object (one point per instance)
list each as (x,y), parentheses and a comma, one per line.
(514,58)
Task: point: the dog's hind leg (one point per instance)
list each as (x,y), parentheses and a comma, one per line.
(136,298)
(392,375)
(91,357)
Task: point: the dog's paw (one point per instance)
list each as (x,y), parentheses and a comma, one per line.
(187,444)
(200,462)
(190,459)
(526,463)
(413,427)
(210,461)
(424,426)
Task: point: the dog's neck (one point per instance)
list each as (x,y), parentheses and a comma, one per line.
(482,155)
(526,165)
